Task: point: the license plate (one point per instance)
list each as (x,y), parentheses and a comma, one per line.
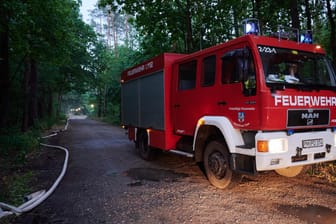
(312,143)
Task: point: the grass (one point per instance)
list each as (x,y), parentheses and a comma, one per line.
(15,148)
(17,186)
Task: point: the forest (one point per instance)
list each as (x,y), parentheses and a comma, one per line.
(52,62)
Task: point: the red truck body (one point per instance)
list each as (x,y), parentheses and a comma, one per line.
(236,93)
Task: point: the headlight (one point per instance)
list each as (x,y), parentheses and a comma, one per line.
(272,146)
(277,145)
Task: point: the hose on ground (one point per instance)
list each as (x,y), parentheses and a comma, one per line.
(36,198)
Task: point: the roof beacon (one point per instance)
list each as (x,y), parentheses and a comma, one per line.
(251,26)
(306,37)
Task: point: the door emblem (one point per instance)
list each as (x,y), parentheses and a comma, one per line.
(241,117)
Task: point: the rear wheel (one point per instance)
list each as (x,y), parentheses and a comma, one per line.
(290,171)
(145,151)
(216,164)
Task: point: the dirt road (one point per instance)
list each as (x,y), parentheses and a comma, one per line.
(107,182)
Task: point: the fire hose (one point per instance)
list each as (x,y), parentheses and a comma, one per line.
(36,198)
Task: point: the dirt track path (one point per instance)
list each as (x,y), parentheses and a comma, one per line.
(107,182)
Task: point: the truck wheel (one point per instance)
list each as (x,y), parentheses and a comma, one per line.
(290,171)
(216,164)
(145,151)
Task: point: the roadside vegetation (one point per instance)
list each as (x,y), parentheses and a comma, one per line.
(16,150)
(326,171)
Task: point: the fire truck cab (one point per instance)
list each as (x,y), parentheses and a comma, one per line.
(251,104)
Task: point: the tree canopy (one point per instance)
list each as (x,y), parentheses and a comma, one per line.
(186,26)
(50,58)
(45,53)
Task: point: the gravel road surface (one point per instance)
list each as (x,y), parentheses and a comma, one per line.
(107,182)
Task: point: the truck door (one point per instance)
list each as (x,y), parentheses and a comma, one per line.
(239,88)
(185,98)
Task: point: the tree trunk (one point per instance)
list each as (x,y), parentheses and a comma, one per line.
(106,98)
(258,5)
(4,68)
(25,87)
(253,9)
(99,102)
(127,31)
(59,101)
(115,37)
(294,14)
(189,38)
(235,22)
(50,103)
(308,15)
(33,102)
(332,32)
(29,116)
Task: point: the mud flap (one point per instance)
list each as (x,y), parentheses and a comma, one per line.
(243,164)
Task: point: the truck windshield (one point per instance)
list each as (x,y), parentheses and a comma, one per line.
(296,68)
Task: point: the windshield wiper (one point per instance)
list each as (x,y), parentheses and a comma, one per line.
(299,86)
(321,87)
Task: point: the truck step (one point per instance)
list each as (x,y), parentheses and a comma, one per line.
(182,153)
(245,146)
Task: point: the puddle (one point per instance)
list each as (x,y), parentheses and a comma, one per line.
(311,214)
(157,175)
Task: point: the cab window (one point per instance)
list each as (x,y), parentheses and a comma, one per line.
(208,71)
(187,75)
(238,67)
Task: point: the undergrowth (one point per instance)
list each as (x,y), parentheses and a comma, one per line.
(16,187)
(15,145)
(15,148)
(326,171)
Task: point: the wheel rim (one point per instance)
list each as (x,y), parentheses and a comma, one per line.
(290,171)
(217,164)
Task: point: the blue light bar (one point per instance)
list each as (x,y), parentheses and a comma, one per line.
(251,26)
(306,37)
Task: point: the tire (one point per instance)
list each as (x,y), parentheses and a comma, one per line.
(145,151)
(290,171)
(217,165)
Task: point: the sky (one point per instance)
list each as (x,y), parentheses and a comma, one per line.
(86,6)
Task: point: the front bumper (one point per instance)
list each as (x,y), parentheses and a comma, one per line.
(299,149)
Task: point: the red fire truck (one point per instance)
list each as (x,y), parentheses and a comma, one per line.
(251,104)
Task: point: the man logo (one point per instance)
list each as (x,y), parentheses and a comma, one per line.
(310,115)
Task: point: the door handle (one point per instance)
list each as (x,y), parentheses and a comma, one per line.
(177,105)
(221,103)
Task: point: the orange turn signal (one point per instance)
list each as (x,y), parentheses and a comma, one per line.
(200,122)
(262,146)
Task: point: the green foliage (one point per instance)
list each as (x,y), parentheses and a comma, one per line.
(52,34)
(16,187)
(103,100)
(48,122)
(14,146)
(184,26)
